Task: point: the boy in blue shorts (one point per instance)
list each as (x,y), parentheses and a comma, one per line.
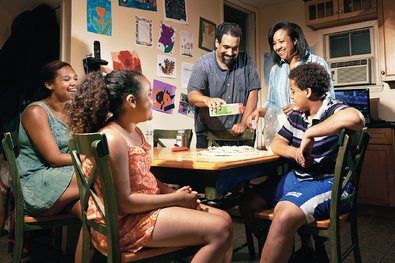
(309,140)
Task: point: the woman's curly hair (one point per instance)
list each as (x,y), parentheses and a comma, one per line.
(97,97)
(311,75)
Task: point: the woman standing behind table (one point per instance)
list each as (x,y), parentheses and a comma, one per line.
(151,214)
(47,176)
(289,48)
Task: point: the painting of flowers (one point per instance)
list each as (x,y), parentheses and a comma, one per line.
(99,17)
(166,38)
(126,59)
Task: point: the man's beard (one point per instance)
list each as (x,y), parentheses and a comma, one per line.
(227,62)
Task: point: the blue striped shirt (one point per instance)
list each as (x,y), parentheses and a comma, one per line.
(325,148)
(279,90)
(233,86)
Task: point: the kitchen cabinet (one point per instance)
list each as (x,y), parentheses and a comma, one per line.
(328,13)
(377,184)
(386,39)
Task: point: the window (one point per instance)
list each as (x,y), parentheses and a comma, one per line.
(350,44)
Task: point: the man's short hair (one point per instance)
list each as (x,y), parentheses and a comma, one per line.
(313,76)
(228,28)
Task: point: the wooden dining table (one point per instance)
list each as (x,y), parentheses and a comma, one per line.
(213,175)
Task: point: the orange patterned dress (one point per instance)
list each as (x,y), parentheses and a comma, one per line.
(134,229)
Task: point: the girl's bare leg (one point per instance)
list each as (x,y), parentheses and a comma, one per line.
(178,226)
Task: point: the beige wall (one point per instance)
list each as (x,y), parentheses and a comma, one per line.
(5,26)
(294,11)
(123,38)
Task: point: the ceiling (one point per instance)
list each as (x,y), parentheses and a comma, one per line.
(263,3)
(14,7)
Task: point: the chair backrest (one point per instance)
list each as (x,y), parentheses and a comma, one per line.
(352,148)
(94,146)
(248,135)
(172,134)
(10,153)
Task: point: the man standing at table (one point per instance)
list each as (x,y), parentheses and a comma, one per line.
(225,75)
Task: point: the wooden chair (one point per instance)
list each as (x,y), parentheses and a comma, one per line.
(172,134)
(94,145)
(352,147)
(248,135)
(24,223)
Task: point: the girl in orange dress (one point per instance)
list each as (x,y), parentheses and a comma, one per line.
(150,213)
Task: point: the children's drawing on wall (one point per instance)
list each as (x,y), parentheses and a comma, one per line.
(175,11)
(186,44)
(166,40)
(185,108)
(143,31)
(126,59)
(163,96)
(206,34)
(186,71)
(99,17)
(166,66)
(150,5)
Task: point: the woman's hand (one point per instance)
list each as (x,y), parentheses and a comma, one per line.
(252,120)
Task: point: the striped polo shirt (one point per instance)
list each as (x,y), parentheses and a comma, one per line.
(325,148)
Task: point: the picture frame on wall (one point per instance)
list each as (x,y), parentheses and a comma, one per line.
(206,34)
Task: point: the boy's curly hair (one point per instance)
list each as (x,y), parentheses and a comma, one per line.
(313,76)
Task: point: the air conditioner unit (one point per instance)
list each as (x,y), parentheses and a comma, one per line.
(351,72)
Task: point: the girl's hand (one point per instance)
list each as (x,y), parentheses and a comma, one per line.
(185,197)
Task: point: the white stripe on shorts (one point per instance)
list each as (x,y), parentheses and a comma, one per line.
(309,206)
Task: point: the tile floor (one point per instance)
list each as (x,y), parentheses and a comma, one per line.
(376,231)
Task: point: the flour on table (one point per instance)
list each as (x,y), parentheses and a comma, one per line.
(232,151)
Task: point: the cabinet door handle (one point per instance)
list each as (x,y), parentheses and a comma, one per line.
(340,11)
(382,72)
(335,12)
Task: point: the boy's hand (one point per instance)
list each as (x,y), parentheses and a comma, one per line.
(288,109)
(303,154)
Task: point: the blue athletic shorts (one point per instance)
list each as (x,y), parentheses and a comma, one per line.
(313,197)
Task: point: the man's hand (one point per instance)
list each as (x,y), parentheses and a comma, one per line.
(214,103)
(238,128)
